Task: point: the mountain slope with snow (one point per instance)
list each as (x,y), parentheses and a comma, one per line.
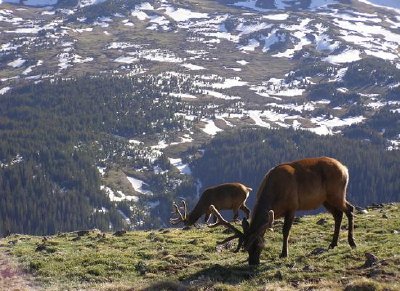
(325,66)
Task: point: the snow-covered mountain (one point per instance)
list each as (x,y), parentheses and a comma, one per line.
(236,52)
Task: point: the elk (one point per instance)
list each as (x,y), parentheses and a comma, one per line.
(299,185)
(225,196)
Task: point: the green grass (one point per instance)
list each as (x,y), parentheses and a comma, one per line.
(171,259)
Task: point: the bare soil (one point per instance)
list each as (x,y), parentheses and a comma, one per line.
(12,276)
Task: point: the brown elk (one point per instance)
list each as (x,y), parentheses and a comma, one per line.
(225,196)
(299,185)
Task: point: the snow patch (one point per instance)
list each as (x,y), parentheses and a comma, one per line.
(183,168)
(182,14)
(192,67)
(138,186)
(16,63)
(210,127)
(347,56)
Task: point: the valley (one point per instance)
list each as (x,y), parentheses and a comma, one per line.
(326,67)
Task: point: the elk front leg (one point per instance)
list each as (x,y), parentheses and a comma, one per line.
(289,218)
(337,216)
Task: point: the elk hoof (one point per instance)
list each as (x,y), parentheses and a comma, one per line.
(283,255)
(332,246)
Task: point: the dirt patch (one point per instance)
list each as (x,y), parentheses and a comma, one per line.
(12,277)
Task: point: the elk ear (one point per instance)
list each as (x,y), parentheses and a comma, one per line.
(245,225)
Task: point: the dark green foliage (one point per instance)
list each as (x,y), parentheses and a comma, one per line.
(330,92)
(393,94)
(371,72)
(266,4)
(384,123)
(313,68)
(120,106)
(322,91)
(50,192)
(270,4)
(67,3)
(247,155)
(48,138)
(108,8)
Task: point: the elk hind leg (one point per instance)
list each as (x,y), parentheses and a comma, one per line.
(337,216)
(349,211)
(287,225)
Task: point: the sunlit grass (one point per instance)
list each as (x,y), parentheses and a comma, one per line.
(176,258)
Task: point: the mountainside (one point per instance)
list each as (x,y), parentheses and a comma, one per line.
(176,259)
(107,106)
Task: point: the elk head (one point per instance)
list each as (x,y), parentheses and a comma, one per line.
(251,241)
(181,217)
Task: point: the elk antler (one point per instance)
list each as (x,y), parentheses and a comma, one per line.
(221,221)
(184,209)
(177,219)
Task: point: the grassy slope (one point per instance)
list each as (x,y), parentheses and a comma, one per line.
(175,258)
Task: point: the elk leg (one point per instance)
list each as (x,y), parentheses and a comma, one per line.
(289,218)
(350,217)
(337,216)
(246,210)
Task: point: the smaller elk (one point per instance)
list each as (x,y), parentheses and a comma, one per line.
(300,185)
(225,196)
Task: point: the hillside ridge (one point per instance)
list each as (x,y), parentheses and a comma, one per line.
(190,259)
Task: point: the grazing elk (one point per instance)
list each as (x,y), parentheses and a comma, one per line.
(299,185)
(225,196)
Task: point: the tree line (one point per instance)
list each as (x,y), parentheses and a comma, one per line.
(48,176)
(246,155)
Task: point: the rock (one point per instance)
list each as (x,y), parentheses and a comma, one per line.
(82,232)
(141,268)
(101,236)
(371,260)
(376,206)
(308,268)
(361,210)
(40,248)
(318,251)
(278,275)
(119,233)
(322,221)
(226,246)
